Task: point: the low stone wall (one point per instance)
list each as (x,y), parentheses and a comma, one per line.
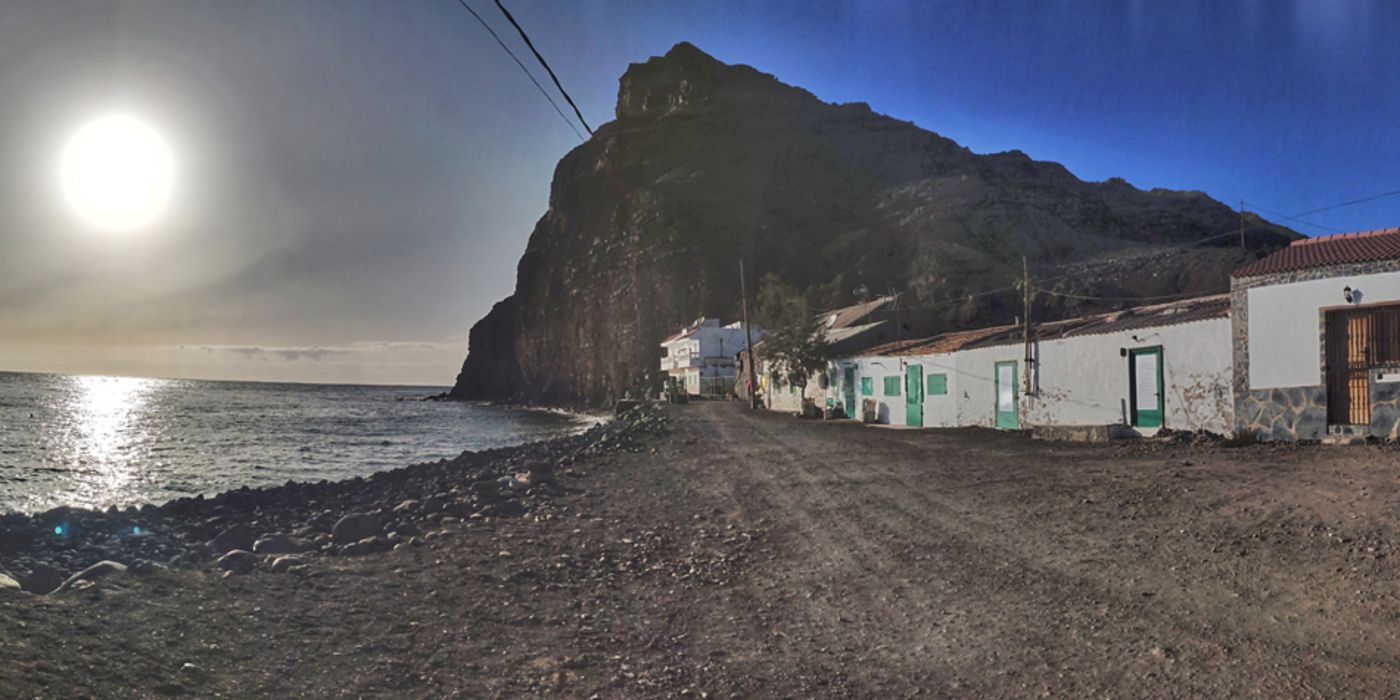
(1294,413)
(1385,409)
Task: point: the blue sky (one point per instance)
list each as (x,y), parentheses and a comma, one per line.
(357,178)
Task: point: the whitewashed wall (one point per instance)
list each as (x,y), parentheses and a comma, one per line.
(877,368)
(939,411)
(1284,325)
(1084,380)
(977,394)
(1080,381)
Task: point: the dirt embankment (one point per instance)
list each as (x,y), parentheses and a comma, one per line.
(740,554)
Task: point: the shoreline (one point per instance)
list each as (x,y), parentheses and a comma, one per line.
(295,520)
(346,461)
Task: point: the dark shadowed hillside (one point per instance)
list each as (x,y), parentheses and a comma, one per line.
(706,162)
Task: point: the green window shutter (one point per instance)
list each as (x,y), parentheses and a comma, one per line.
(867,386)
(891,386)
(937,384)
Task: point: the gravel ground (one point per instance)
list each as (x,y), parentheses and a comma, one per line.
(738,554)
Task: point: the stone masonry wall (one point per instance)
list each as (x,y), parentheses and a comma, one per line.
(1299,413)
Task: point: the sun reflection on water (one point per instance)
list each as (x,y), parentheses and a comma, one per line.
(105,436)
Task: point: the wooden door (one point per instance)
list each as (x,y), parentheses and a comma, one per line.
(914,396)
(850,393)
(1145,387)
(1350,355)
(1007,393)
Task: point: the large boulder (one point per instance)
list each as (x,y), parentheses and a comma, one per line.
(282,544)
(236,537)
(239,561)
(99,570)
(355,527)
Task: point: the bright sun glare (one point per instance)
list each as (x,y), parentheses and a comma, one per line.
(117,173)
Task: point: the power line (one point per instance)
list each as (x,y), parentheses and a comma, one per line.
(1354,201)
(999,290)
(1294,219)
(1085,297)
(544,63)
(539,87)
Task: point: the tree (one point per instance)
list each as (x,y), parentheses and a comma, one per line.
(795,347)
(780,305)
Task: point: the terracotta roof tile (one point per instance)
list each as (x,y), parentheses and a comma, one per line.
(938,344)
(1325,251)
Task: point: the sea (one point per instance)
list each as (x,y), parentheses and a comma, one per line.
(94,441)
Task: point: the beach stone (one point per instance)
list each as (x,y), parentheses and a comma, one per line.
(236,537)
(42,579)
(355,527)
(92,573)
(365,546)
(239,561)
(281,544)
(144,567)
(409,506)
(9,584)
(540,472)
(282,564)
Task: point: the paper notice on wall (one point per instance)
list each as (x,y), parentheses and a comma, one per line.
(1006,388)
(1145,376)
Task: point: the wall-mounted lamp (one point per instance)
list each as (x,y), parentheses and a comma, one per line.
(1346,293)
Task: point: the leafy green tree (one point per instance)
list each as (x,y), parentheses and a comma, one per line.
(795,347)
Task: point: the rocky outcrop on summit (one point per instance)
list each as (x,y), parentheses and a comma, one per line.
(706,162)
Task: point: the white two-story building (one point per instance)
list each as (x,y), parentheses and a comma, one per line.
(701,356)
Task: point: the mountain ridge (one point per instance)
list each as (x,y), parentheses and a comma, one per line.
(706,162)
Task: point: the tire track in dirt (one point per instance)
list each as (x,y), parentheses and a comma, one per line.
(857,517)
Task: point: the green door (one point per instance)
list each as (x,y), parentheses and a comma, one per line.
(1007,393)
(850,393)
(914,396)
(1145,387)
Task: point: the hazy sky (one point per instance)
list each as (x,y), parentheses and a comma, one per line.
(355,181)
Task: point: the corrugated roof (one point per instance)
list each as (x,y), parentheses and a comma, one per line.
(836,335)
(854,314)
(938,344)
(1325,251)
(1151,316)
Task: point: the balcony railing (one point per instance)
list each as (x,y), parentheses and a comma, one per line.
(681,362)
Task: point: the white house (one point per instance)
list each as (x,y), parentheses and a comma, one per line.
(845,330)
(1316,339)
(1141,369)
(701,355)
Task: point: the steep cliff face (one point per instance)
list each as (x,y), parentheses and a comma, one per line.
(706,162)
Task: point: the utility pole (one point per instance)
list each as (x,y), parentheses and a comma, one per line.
(1030,355)
(748,337)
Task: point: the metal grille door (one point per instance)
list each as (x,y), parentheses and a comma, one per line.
(1356,340)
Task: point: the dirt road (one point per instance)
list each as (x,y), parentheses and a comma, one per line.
(761,555)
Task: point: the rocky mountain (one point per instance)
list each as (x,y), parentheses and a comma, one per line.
(707,162)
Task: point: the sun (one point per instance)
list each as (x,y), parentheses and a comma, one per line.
(117,173)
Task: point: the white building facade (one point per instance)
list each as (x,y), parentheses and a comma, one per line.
(1316,339)
(700,357)
(1142,370)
